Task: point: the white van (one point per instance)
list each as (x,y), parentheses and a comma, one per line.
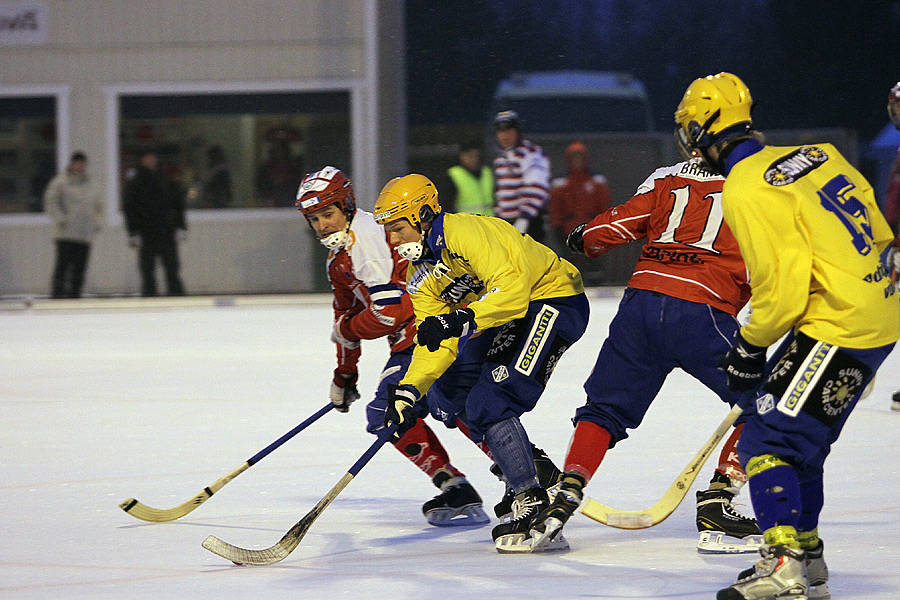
(575,102)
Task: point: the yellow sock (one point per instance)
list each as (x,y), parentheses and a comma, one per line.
(808,539)
(782,535)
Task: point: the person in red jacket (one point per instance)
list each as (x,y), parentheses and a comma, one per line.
(575,199)
(370,301)
(580,195)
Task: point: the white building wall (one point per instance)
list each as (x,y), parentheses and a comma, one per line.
(98,49)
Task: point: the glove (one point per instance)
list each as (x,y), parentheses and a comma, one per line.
(743,364)
(134,241)
(401,408)
(575,241)
(437,328)
(338,337)
(343,391)
(522,224)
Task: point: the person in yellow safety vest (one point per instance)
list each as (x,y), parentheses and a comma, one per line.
(473,183)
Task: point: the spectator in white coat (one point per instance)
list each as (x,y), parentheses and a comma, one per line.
(75,206)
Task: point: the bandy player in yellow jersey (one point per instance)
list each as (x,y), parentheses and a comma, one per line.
(814,241)
(495,311)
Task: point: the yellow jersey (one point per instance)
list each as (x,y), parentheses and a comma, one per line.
(812,235)
(486,264)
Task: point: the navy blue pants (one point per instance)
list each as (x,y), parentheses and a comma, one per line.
(796,415)
(393,372)
(651,335)
(502,372)
(803,405)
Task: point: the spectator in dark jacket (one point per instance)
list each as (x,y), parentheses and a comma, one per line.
(154,216)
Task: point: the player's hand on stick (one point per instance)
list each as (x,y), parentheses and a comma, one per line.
(401,408)
(437,328)
(743,364)
(340,333)
(575,241)
(343,391)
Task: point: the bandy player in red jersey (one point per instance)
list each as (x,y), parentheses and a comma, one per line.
(369,283)
(679,310)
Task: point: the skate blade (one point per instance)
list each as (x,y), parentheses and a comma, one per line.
(457,517)
(542,539)
(519,543)
(716,542)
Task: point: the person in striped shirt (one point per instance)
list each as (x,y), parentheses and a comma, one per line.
(522,173)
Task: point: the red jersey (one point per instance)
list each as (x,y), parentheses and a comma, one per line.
(369,283)
(691,254)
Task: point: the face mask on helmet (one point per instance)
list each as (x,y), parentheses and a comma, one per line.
(412,251)
(336,239)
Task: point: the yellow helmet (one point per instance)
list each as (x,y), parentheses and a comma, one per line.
(411,197)
(714,109)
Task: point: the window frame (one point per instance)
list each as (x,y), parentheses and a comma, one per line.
(60,93)
(114,92)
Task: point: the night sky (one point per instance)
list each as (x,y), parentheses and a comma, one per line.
(808,64)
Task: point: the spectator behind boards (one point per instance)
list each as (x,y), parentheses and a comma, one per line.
(577,198)
(522,172)
(472,189)
(154,217)
(76,208)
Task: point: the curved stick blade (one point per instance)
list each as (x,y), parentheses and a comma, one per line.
(141,511)
(280,550)
(665,506)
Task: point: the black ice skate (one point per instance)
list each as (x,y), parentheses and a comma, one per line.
(718,522)
(548,476)
(895,401)
(548,525)
(515,536)
(780,575)
(457,505)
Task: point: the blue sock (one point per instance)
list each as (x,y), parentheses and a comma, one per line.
(512,451)
(775,493)
(812,498)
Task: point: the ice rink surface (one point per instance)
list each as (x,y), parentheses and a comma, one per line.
(105,400)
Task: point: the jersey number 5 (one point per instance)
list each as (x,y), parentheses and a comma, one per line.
(712,215)
(835,197)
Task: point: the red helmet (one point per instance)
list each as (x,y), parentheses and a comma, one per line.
(893,105)
(328,186)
